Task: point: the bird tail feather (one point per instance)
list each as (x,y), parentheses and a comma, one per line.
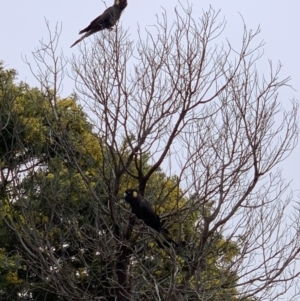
(167,240)
(83,37)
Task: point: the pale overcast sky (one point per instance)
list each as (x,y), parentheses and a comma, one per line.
(22,25)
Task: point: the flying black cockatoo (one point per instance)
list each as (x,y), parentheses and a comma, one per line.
(144,211)
(107,20)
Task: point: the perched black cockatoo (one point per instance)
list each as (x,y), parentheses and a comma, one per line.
(107,20)
(144,211)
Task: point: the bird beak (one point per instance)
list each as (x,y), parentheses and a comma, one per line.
(125,194)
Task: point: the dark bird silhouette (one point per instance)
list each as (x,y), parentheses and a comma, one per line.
(107,20)
(144,211)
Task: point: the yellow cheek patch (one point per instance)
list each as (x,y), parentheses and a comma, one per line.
(134,194)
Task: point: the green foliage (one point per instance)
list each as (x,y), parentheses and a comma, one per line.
(37,141)
(61,224)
